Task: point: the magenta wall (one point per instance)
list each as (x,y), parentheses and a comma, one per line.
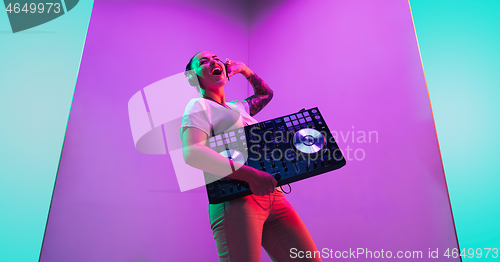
(357,61)
(112,203)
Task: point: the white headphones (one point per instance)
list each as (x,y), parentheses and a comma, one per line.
(192,78)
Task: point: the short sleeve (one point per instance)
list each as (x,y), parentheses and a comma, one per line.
(241,105)
(244,110)
(195,116)
(245,106)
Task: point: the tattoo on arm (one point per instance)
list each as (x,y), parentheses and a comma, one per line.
(262,94)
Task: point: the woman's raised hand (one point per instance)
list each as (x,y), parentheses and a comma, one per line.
(235,67)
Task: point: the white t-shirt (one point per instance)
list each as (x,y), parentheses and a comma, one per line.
(203,113)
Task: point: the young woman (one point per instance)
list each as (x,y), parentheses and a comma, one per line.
(265,218)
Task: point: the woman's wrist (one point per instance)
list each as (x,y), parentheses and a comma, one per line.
(243,173)
(247,72)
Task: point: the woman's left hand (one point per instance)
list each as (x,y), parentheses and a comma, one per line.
(235,67)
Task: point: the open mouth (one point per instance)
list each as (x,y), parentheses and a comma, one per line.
(216,71)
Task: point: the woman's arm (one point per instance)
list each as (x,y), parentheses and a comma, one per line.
(262,93)
(197,155)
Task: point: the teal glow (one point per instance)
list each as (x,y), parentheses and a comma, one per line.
(459,43)
(38,73)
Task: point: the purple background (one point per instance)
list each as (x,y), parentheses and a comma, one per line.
(358,61)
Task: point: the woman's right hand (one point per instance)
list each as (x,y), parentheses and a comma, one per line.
(260,182)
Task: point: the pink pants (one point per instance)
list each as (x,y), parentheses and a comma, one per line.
(242,225)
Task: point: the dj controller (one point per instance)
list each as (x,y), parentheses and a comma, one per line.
(290,148)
